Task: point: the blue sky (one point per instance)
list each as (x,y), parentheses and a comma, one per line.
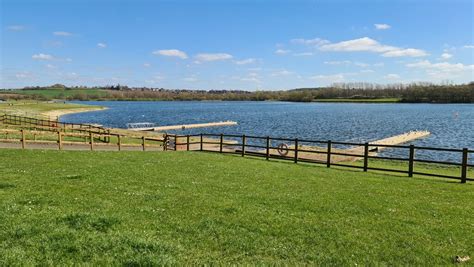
(250,45)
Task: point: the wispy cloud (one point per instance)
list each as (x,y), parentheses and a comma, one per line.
(281,73)
(446,56)
(315,41)
(392,76)
(146,65)
(171,53)
(332,78)
(367,44)
(60,33)
(42,56)
(382,26)
(245,61)
(206,57)
(16,28)
(282,51)
(343,62)
(469,46)
(101,45)
(303,54)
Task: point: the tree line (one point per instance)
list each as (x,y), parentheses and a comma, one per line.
(411,93)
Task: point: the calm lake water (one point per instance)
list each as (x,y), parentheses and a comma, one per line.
(451,125)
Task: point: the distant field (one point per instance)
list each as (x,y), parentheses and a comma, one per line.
(191,208)
(58,93)
(376,100)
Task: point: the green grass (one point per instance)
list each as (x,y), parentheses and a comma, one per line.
(60,93)
(356,100)
(35,108)
(145,208)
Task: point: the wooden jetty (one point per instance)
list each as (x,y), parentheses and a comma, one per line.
(186,126)
(394,140)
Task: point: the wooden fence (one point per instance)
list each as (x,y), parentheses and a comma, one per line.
(91,139)
(245,148)
(298,150)
(53,126)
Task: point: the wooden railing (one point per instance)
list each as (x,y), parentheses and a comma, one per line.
(243,147)
(53,126)
(296,150)
(91,139)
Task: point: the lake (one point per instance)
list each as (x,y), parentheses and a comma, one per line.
(451,125)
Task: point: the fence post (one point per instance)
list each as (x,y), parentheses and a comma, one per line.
(119,142)
(23,141)
(243,145)
(143,143)
(220,144)
(201,143)
(187,142)
(60,141)
(411,161)
(296,150)
(366,156)
(328,162)
(268,148)
(464,166)
(91,139)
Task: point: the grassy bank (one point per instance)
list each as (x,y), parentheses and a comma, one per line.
(43,108)
(199,208)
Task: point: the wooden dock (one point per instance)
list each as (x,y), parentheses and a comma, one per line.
(186,126)
(394,140)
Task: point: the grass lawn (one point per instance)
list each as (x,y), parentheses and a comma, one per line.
(37,108)
(60,93)
(143,208)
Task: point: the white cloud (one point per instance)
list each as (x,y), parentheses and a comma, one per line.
(50,66)
(361,44)
(62,33)
(444,70)
(382,26)
(282,73)
(441,67)
(315,41)
(361,64)
(408,52)
(24,75)
(101,45)
(155,79)
(333,78)
(42,57)
(392,76)
(367,44)
(190,79)
(245,61)
(469,46)
(367,71)
(212,57)
(303,54)
(16,28)
(171,53)
(282,51)
(344,62)
(146,65)
(446,56)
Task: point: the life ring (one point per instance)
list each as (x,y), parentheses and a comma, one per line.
(282,149)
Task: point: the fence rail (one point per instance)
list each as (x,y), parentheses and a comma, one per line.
(298,150)
(268,151)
